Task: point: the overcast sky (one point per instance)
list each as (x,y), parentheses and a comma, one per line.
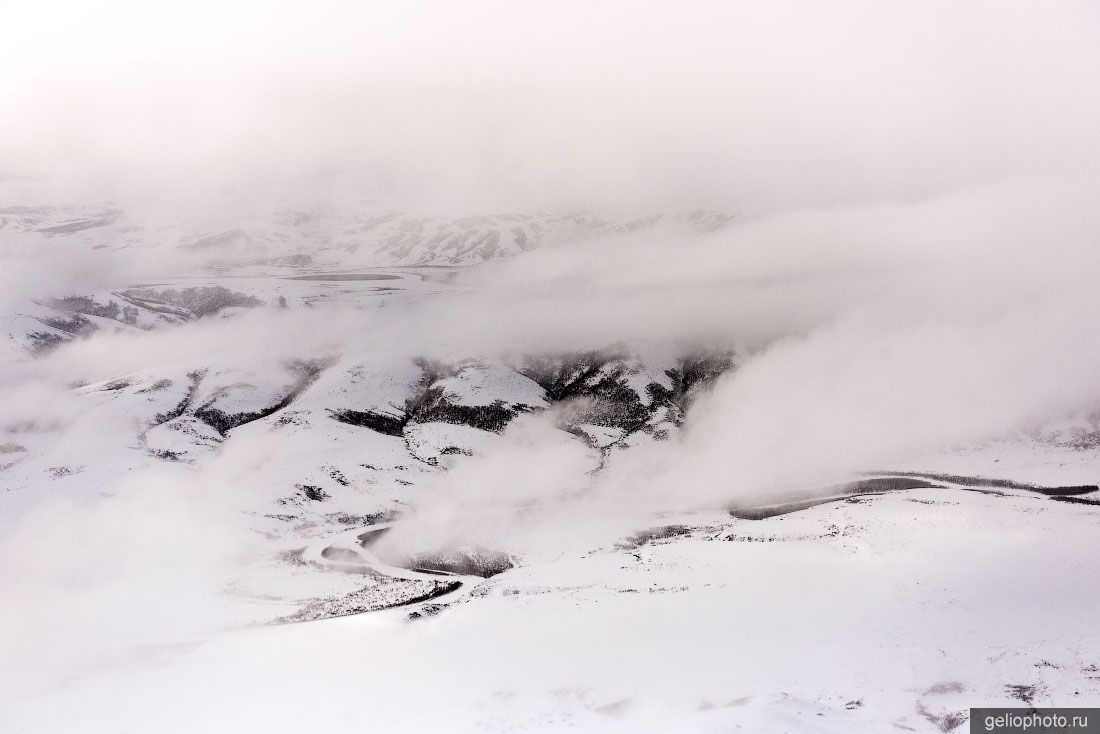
(754,105)
(913,260)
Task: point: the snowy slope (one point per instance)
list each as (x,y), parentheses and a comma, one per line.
(728,624)
(889,600)
(352,234)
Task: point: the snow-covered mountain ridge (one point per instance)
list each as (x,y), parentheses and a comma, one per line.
(364,235)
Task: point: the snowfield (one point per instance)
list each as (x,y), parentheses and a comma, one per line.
(487,367)
(895,611)
(255,498)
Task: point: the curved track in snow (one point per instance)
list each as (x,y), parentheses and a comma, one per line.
(346,550)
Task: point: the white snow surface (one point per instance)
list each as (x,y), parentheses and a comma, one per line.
(153,563)
(844,618)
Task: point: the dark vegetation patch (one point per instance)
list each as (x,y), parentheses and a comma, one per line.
(307,372)
(380,422)
(196,302)
(652,535)
(373,598)
(945,721)
(42,342)
(596,381)
(312,492)
(429,405)
(76,325)
(483,562)
(345,518)
(428,610)
(295,556)
(1021,692)
(194,378)
(292,418)
(695,373)
(832,531)
(91,307)
(492,418)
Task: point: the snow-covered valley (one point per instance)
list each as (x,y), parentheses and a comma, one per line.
(354,569)
(493,366)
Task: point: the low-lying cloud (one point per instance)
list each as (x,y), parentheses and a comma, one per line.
(910,266)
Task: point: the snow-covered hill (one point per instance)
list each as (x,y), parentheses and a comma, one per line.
(357,234)
(424,504)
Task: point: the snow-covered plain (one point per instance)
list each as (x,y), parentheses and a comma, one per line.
(891,612)
(252,497)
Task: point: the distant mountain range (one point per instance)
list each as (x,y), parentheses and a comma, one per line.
(343,237)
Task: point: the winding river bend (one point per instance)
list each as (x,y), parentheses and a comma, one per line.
(426,586)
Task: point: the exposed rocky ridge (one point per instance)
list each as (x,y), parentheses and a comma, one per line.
(596,389)
(432,407)
(614,389)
